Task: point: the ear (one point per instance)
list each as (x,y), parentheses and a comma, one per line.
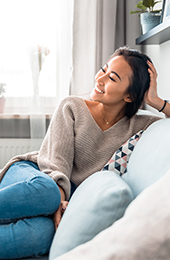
(128,98)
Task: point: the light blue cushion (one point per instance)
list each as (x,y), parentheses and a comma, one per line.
(96,204)
(150,159)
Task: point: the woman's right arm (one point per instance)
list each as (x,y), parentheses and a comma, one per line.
(60,211)
(57,150)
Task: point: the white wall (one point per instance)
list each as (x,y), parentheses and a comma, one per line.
(160,55)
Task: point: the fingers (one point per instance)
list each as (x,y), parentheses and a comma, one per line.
(59,213)
(151,95)
(57,218)
(64,205)
(152,68)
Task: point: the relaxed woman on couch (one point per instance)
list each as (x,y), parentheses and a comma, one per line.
(82,137)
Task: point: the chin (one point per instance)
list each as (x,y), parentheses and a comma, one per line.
(92,96)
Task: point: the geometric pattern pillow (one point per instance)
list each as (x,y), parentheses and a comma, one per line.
(119,160)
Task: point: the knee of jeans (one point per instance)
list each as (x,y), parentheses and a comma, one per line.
(47,192)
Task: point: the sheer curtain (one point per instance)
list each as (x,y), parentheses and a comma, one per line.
(93,22)
(63,23)
(35,64)
(99,27)
(52,48)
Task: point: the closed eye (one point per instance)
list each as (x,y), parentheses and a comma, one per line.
(112,79)
(102,69)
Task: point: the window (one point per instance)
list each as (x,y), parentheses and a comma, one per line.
(25,25)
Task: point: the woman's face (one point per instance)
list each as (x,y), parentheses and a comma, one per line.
(112,81)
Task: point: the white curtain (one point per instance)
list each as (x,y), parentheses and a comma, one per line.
(93,21)
(64,14)
(67,41)
(99,27)
(37,112)
(36,58)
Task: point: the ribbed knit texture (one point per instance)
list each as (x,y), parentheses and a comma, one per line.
(75,146)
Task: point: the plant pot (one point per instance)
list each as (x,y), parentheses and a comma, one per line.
(149,21)
(2,104)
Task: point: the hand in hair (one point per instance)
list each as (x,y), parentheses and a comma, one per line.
(151,96)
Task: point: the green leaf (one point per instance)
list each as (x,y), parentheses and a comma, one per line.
(141,6)
(144,5)
(148,3)
(135,12)
(156,11)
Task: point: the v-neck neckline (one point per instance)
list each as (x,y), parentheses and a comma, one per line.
(96,124)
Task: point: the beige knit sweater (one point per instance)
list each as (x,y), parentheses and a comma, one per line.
(75,146)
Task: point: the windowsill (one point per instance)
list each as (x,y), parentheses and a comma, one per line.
(17,125)
(20,116)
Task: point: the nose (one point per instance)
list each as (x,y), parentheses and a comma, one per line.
(101,78)
(100,82)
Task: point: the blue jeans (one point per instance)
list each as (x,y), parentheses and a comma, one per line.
(28,198)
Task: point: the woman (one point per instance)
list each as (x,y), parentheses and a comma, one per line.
(77,144)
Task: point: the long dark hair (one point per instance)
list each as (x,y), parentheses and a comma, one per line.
(140,80)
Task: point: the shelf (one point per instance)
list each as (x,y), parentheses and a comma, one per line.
(157,35)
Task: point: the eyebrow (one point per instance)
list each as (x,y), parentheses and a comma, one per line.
(114,72)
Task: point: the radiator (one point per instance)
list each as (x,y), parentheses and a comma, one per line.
(12,147)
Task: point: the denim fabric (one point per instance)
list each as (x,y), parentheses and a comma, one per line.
(27,199)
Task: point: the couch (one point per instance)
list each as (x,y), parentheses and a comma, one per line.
(122,217)
(131,218)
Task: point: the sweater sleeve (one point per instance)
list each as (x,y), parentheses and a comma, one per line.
(57,150)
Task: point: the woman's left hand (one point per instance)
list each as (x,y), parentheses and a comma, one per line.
(151,96)
(59,213)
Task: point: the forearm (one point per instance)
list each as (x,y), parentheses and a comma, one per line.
(57,150)
(166,110)
(62,193)
(158,104)
(151,97)
(60,211)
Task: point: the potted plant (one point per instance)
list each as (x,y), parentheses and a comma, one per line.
(149,17)
(2,98)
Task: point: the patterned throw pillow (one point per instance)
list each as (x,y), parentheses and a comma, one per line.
(119,160)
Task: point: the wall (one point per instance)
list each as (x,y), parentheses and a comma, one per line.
(160,55)
(11,147)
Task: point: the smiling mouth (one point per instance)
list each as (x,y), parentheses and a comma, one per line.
(98,90)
